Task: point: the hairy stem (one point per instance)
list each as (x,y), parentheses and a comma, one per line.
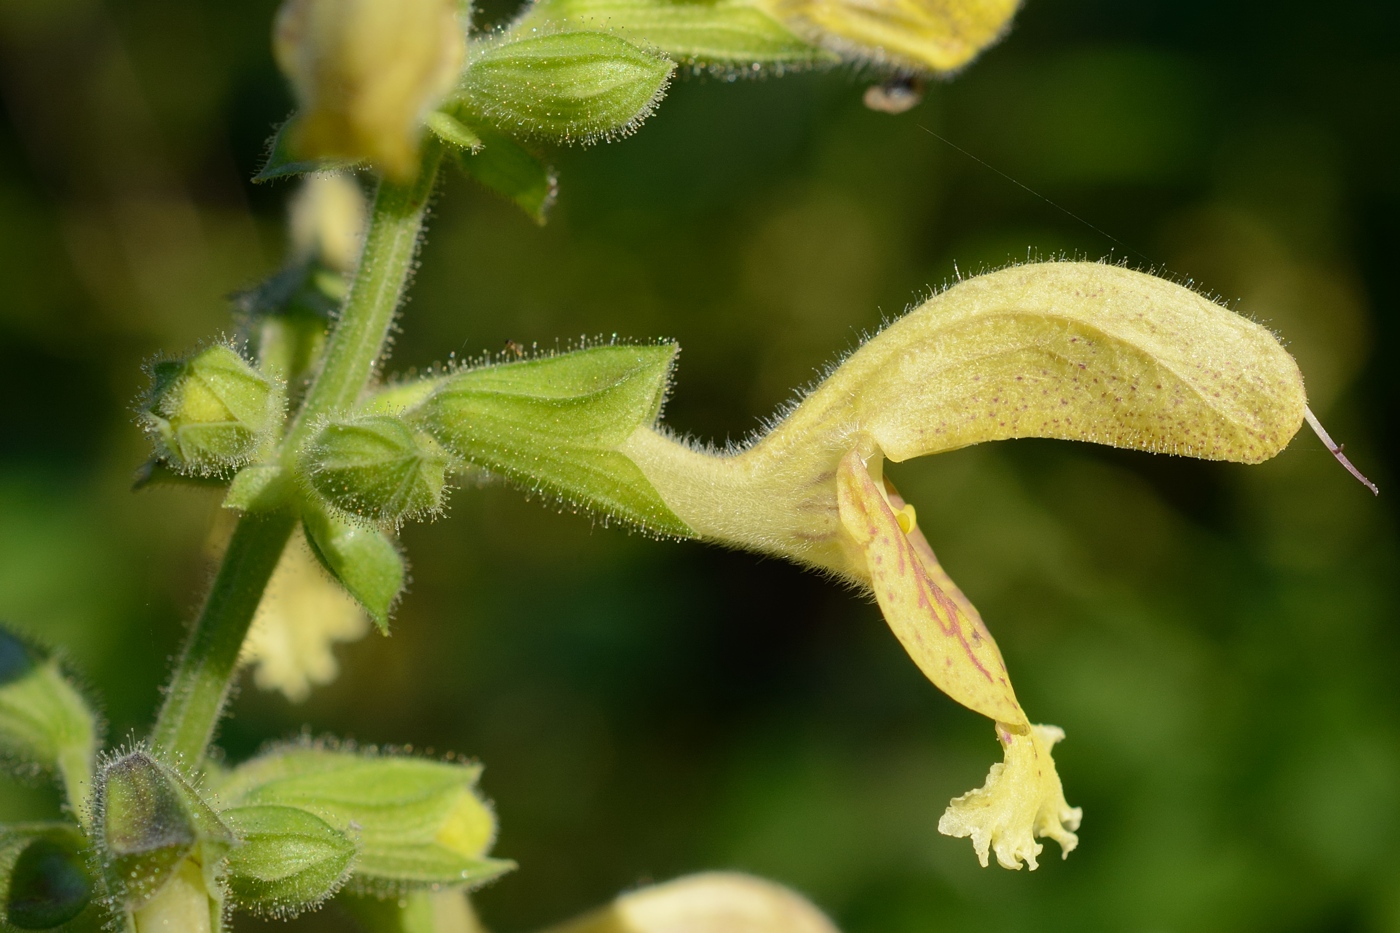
(358,341)
(209,662)
(206,668)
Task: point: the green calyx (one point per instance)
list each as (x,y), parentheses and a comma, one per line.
(377,468)
(212,411)
(555,424)
(568,86)
(417,823)
(288,859)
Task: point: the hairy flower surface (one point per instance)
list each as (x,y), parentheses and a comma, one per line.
(1080,351)
(922,35)
(365,74)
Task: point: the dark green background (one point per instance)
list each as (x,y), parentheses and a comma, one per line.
(1219,642)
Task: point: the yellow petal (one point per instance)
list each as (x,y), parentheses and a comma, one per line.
(365,72)
(953,649)
(1080,351)
(938,35)
(1075,350)
(1021,800)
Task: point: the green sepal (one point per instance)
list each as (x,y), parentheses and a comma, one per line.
(554,424)
(418,822)
(512,171)
(376,468)
(288,860)
(156,472)
(720,33)
(452,131)
(261,487)
(152,819)
(569,86)
(282,162)
(445,911)
(45,881)
(212,411)
(360,557)
(45,723)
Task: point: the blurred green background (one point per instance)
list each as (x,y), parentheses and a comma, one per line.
(1220,643)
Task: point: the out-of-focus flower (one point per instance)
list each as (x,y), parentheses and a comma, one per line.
(714,902)
(921,35)
(302,616)
(366,73)
(1079,351)
(328,220)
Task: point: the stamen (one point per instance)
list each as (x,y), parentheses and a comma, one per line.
(907,518)
(1336,450)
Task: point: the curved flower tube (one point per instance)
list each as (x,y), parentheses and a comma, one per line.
(1079,351)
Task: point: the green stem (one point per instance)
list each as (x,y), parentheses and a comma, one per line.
(363,328)
(207,667)
(202,678)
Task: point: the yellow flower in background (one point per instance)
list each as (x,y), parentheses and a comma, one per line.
(302,616)
(918,35)
(365,73)
(327,220)
(1079,351)
(713,902)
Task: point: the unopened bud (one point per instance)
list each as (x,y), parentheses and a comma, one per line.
(212,411)
(288,860)
(569,86)
(366,73)
(377,468)
(44,877)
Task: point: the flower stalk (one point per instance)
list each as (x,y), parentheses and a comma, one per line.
(207,666)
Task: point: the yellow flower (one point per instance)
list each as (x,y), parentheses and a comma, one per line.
(365,73)
(920,35)
(1080,351)
(713,902)
(302,616)
(327,220)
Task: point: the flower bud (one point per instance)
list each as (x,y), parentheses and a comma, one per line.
(287,861)
(44,720)
(923,35)
(44,879)
(378,468)
(569,86)
(365,73)
(417,822)
(154,825)
(211,412)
